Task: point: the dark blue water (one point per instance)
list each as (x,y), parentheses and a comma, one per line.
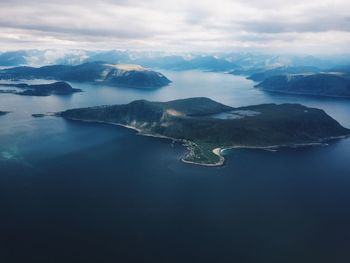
(78,192)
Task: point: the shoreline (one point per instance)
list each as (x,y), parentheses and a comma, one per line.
(294,145)
(217,151)
(302,94)
(185,143)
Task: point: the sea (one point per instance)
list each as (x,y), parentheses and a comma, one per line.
(87,192)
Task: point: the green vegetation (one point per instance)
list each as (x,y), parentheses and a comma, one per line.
(194,121)
(202,153)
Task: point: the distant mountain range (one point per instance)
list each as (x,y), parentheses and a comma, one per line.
(116,75)
(282,73)
(57,88)
(208,126)
(237,63)
(13,58)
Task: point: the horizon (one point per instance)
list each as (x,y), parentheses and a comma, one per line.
(64,50)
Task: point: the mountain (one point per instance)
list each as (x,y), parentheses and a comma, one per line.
(147,59)
(264,74)
(111,57)
(13,58)
(35,57)
(206,125)
(325,84)
(259,66)
(204,62)
(239,63)
(117,75)
(57,88)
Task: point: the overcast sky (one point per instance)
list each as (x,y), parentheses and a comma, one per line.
(307,26)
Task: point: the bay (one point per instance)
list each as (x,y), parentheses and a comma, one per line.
(84,192)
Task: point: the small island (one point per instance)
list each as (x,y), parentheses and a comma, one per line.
(38,115)
(3,113)
(119,75)
(207,127)
(56,88)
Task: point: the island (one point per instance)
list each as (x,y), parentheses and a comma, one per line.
(333,84)
(38,115)
(121,75)
(57,88)
(3,113)
(207,127)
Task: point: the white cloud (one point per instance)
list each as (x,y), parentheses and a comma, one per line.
(197,25)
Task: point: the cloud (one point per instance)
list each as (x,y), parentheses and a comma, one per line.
(197,25)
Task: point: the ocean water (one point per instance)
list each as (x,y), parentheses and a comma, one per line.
(84,192)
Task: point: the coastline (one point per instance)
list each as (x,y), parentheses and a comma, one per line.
(185,143)
(302,93)
(217,151)
(322,142)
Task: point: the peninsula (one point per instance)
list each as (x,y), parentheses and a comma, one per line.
(323,84)
(121,75)
(207,126)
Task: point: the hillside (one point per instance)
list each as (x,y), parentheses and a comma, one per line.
(325,84)
(116,75)
(264,74)
(207,125)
